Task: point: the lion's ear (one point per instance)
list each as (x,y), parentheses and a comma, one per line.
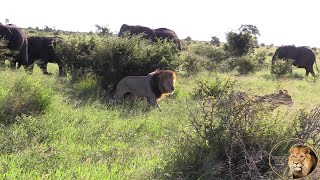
(280,91)
(307,150)
(291,150)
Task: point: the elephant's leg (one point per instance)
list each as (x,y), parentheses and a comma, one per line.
(29,68)
(61,70)
(311,71)
(43,65)
(13,64)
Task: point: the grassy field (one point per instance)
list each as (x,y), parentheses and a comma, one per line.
(73,133)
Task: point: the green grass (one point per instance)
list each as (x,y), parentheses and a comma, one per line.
(80,136)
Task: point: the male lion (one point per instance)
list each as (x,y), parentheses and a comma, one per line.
(153,86)
(302,161)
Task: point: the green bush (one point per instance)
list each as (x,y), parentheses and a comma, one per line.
(261,57)
(229,137)
(202,56)
(27,97)
(215,54)
(243,65)
(281,68)
(112,58)
(193,63)
(211,88)
(239,44)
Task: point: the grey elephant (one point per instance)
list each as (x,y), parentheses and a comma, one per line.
(41,51)
(164,33)
(302,57)
(17,42)
(146,32)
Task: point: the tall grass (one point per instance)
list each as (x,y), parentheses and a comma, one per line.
(63,128)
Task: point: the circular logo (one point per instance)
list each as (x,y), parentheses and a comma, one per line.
(293,158)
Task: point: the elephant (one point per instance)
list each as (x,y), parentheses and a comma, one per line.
(136,30)
(41,51)
(164,33)
(302,57)
(17,42)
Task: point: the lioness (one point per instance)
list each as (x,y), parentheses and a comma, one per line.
(302,161)
(153,86)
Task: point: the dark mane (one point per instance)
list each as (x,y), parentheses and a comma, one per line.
(154,83)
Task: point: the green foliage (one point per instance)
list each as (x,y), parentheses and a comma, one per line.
(103,30)
(261,57)
(3,49)
(250,29)
(281,68)
(188,39)
(215,41)
(193,63)
(113,58)
(26,97)
(239,44)
(226,129)
(270,54)
(211,88)
(245,65)
(242,43)
(203,57)
(213,53)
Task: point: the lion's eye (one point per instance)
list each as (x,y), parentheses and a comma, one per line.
(301,156)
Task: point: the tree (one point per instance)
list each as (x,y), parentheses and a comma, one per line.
(7,21)
(215,41)
(243,42)
(188,38)
(248,28)
(103,30)
(48,29)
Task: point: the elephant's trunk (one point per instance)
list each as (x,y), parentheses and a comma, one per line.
(24,53)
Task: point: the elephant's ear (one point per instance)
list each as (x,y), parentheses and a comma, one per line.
(7,32)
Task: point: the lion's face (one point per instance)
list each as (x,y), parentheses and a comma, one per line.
(168,86)
(300,161)
(167,81)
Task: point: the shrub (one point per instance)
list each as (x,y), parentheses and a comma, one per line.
(281,68)
(229,137)
(211,88)
(209,56)
(112,58)
(193,63)
(27,96)
(243,65)
(239,44)
(270,53)
(213,53)
(260,57)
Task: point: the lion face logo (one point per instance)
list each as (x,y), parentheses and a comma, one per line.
(302,161)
